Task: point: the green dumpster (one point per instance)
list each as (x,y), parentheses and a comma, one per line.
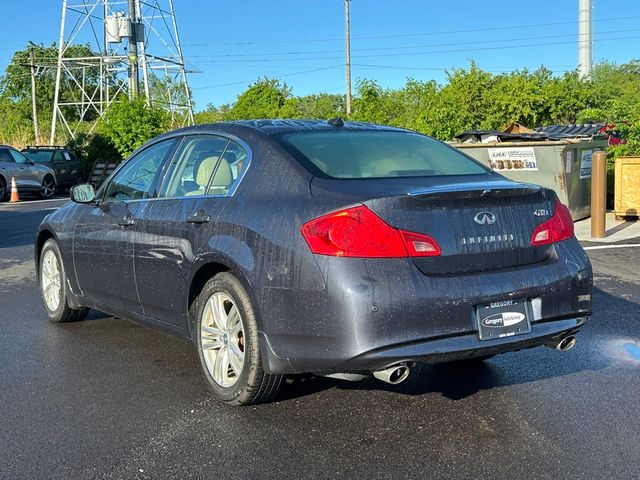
(564,166)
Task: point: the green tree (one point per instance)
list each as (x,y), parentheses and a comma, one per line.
(263,99)
(128,124)
(16,83)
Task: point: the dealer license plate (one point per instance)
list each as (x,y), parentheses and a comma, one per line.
(504,318)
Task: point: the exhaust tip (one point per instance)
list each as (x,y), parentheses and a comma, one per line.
(567,343)
(564,344)
(393,375)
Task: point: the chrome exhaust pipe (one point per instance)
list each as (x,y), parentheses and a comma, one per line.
(394,375)
(564,344)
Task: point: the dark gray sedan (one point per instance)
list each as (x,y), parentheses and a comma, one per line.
(30,177)
(283,247)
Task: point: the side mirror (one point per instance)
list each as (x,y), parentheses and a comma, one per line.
(83,193)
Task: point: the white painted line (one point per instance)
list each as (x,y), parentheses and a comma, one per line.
(31,202)
(604,247)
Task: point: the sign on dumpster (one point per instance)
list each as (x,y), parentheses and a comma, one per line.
(585,164)
(515,158)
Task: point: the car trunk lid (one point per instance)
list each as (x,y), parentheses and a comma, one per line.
(479,225)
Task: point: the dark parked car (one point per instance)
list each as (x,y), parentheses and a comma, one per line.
(66,164)
(31,178)
(285,247)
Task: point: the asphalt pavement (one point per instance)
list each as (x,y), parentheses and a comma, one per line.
(106,398)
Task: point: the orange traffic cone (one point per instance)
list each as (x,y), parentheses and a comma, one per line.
(14,191)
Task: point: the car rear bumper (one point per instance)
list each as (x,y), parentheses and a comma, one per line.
(461,347)
(372,314)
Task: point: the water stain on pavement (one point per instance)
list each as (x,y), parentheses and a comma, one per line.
(625,349)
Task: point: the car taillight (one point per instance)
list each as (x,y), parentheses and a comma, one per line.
(559,227)
(358,232)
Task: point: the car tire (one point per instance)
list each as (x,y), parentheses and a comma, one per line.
(48,187)
(54,287)
(227,341)
(3,189)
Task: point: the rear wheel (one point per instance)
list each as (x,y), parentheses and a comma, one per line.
(228,346)
(48,186)
(53,286)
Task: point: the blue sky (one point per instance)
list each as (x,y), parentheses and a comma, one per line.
(232,43)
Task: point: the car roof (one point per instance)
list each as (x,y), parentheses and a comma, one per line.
(44,149)
(277,126)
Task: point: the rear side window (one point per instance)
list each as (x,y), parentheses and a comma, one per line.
(192,167)
(377,154)
(205,165)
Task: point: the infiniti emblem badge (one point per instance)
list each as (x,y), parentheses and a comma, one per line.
(485,218)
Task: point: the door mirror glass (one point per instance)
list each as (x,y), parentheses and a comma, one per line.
(83,193)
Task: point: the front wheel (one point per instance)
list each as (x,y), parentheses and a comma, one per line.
(53,286)
(228,346)
(48,186)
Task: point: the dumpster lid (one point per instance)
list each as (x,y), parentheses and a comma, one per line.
(580,130)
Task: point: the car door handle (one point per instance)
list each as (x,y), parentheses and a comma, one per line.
(126,221)
(199,217)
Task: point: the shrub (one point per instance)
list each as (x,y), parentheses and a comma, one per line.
(129,124)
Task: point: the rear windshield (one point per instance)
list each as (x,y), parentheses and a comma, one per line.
(377,154)
(38,156)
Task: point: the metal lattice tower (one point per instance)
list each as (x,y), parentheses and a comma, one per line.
(135,48)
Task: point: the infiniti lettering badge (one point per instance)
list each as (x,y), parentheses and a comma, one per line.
(485,218)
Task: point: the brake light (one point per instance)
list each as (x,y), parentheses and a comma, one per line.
(358,232)
(559,227)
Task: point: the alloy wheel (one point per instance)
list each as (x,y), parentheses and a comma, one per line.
(222,339)
(48,187)
(51,280)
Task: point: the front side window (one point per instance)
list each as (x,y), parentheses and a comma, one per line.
(5,156)
(136,179)
(205,165)
(39,156)
(17,156)
(377,154)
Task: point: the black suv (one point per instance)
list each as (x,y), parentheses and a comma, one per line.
(68,167)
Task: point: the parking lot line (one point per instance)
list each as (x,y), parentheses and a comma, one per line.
(604,247)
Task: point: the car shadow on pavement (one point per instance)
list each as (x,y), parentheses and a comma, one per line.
(458,380)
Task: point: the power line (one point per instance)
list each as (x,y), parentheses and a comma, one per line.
(43,59)
(567,68)
(406,35)
(429,52)
(279,76)
(402,47)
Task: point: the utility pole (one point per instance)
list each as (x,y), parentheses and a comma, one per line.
(130,50)
(134,77)
(347,28)
(584,39)
(34,104)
